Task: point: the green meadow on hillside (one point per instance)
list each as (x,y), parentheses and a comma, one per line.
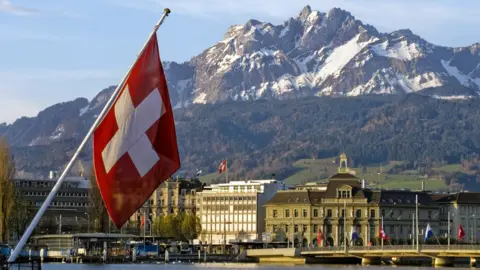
(376,176)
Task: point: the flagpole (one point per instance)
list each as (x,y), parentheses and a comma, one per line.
(413,231)
(60,180)
(345,224)
(226,169)
(383,229)
(448,236)
(417,220)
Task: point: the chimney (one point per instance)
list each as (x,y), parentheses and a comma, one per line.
(363,183)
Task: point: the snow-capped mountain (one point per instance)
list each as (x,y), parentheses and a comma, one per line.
(319,54)
(312,54)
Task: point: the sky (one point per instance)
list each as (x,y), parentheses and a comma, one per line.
(57,50)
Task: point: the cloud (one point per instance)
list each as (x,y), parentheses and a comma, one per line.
(8,7)
(385,15)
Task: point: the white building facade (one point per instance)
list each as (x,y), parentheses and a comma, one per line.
(234,211)
(463,209)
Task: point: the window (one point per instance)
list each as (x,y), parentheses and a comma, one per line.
(295,212)
(287,213)
(329,212)
(359,213)
(315,212)
(275,213)
(383,212)
(343,213)
(315,228)
(286,228)
(372,213)
(305,213)
(275,228)
(304,228)
(429,215)
(295,228)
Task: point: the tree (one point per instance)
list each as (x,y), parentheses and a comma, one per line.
(157,226)
(21,215)
(191,227)
(7,188)
(98,213)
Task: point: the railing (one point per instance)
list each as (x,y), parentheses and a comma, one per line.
(394,247)
(21,263)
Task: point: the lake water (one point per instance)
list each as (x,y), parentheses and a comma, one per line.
(219,266)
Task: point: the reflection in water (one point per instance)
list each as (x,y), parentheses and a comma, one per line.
(220,266)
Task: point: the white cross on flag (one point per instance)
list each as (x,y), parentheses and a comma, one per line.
(135,145)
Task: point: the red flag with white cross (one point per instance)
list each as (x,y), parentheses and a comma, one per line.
(222,167)
(135,145)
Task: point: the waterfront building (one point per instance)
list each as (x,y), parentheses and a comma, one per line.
(463,209)
(171,197)
(234,212)
(69,207)
(344,206)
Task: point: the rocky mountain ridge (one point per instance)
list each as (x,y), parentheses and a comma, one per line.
(311,54)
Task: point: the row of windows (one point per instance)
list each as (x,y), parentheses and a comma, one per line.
(184,202)
(400,214)
(44,184)
(296,213)
(226,207)
(59,194)
(315,228)
(241,188)
(62,204)
(229,198)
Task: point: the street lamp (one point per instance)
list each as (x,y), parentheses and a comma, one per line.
(88,221)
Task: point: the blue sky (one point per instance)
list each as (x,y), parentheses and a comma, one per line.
(56,50)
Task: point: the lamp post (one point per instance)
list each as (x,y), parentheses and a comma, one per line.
(88,222)
(474,229)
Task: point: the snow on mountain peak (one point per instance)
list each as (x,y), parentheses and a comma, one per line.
(317,53)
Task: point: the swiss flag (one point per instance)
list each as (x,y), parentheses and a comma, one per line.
(135,145)
(222,166)
(319,237)
(382,234)
(461,232)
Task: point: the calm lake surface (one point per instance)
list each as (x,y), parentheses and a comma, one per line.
(219,266)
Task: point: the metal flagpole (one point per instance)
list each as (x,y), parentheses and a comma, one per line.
(345,225)
(413,231)
(417,219)
(60,180)
(448,236)
(383,229)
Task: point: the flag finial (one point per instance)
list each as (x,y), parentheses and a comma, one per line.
(167,11)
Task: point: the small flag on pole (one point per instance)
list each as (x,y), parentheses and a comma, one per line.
(355,236)
(428,232)
(461,232)
(319,237)
(382,234)
(222,167)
